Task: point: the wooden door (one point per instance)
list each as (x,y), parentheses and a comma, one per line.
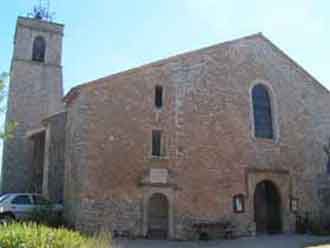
(158,209)
(267,208)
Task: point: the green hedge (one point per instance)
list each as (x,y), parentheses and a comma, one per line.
(29,235)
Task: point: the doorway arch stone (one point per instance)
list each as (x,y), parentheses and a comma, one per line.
(158,216)
(164,197)
(283,182)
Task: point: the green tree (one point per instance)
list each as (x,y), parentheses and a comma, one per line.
(7,131)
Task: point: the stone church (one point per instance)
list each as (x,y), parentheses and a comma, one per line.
(229,133)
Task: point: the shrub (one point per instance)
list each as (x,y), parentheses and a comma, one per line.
(319,227)
(46,215)
(315,228)
(30,235)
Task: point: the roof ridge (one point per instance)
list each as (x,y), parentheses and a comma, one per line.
(309,75)
(75,89)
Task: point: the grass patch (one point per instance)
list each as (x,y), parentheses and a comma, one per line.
(30,235)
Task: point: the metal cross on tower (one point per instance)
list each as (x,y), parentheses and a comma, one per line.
(41,11)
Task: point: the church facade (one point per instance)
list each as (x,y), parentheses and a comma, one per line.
(234,132)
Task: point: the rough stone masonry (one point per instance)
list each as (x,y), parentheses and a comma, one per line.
(120,162)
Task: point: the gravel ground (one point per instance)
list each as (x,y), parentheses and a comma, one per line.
(275,241)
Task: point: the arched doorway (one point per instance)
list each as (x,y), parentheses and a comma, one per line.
(267,208)
(158,215)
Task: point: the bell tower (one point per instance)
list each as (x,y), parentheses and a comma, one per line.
(35,92)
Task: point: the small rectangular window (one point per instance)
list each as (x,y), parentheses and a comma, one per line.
(156,143)
(238,203)
(159,96)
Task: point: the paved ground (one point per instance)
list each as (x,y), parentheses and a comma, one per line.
(276,241)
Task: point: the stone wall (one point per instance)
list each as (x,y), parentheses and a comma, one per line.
(322,184)
(37,165)
(208,130)
(35,92)
(53,183)
(75,179)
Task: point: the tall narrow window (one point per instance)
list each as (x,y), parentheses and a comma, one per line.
(159,96)
(263,122)
(156,143)
(326,149)
(39,49)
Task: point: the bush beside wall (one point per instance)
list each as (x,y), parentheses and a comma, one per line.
(30,235)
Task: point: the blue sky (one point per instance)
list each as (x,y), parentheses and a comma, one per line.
(106,36)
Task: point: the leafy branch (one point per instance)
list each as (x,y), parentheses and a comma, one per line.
(10,126)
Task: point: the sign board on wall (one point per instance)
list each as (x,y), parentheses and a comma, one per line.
(158,175)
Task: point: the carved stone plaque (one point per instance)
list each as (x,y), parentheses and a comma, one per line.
(158,175)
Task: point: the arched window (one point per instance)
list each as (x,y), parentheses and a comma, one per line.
(262,112)
(39,49)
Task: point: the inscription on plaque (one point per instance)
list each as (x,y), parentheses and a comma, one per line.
(158,175)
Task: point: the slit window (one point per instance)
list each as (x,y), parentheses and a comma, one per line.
(156,143)
(159,96)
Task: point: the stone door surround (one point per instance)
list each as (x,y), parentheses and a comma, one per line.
(281,179)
